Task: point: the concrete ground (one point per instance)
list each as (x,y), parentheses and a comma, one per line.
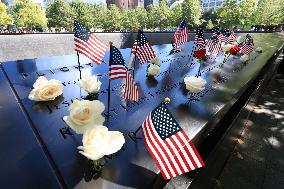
(258,158)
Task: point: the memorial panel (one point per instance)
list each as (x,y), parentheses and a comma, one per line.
(23,160)
(132,166)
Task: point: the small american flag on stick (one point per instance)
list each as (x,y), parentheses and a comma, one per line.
(231,37)
(217,33)
(142,48)
(181,34)
(168,144)
(118,70)
(199,38)
(214,45)
(88,44)
(247,47)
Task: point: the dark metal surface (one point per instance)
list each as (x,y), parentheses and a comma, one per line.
(132,166)
(23,163)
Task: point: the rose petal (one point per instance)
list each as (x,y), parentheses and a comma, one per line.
(116,142)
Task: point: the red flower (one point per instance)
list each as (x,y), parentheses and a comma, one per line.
(234,50)
(200,54)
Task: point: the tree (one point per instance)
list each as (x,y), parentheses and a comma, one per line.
(165,14)
(83,12)
(192,11)
(246,10)
(130,20)
(159,16)
(176,17)
(113,19)
(5,19)
(228,14)
(31,16)
(60,14)
(142,17)
(209,25)
(211,15)
(99,13)
(268,12)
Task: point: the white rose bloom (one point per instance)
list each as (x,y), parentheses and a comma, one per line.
(153,70)
(244,58)
(84,115)
(155,60)
(194,84)
(98,142)
(258,49)
(91,84)
(46,90)
(226,48)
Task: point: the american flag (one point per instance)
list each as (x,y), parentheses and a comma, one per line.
(131,91)
(142,48)
(217,33)
(231,37)
(199,38)
(168,144)
(118,70)
(181,34)
(88,44)
(247,46)
(214,45)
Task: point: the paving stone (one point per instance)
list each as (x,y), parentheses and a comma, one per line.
(263,117)
(241,173)
(276,160)
(252,149)
(273,179)
(256,133)
(276,140)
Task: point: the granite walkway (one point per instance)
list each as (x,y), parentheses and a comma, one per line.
(257,161)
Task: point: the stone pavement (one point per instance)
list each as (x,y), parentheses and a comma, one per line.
(258,158)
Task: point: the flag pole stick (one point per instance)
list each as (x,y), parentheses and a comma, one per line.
(79,65)
(135,57)
(108,95)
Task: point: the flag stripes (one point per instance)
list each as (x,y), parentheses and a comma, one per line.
(142,48)
(168,144)
(117,71)
(181,34)
(214,46)
(246,49)
(88,44)
(131,91)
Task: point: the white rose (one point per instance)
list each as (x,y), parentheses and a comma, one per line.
(244,58)
(84,115)
(226,48)
(98,142)
(153,70)
(258,49)
(155,60)
(194,84)
(46,90)
(91,84)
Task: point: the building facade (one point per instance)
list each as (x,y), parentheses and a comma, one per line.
(126,4)
(212,4)
(150,2)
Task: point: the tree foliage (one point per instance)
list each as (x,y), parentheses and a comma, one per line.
(269,12)
(250,12)
(191,11)
(5,19)
(60,14)
(29,15)
(83,12)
